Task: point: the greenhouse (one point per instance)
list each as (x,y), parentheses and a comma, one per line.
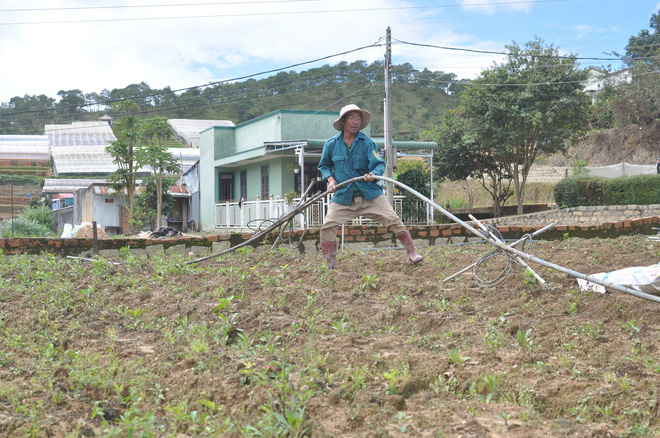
(80,134)
(187,130)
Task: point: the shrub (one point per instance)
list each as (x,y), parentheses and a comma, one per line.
(24,227)
(640,189)
(40,214)
(567,193)
(582,190)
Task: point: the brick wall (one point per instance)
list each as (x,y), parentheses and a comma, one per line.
(354,238)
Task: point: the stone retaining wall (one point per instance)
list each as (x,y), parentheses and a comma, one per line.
(581,215)
(354,238)
(548,174)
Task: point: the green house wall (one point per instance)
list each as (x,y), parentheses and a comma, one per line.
(222,149)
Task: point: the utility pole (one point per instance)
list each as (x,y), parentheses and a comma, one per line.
(390,153)
(11,180)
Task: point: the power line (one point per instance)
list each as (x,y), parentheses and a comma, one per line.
(83,8)
(255,14)
(108,102)
(492,52)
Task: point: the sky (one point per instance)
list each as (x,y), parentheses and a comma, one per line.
(52,45)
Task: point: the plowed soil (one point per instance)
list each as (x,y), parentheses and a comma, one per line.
(273,344)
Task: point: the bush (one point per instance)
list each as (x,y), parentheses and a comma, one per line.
(416,178)
(24,227)
(40,214)
(591,191)
(640,189)
(567,193)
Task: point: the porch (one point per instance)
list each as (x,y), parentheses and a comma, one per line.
(255,215)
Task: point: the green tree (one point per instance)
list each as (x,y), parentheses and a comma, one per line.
(643,47)
(460,157)
(146,203)
(414,174)
(161,161)
(71,101)
(126,153)
(25,115)
(528,104)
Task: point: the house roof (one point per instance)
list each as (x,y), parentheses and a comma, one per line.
(188,129)
(380,142)
(597,79)
(24,147)
(282,148)
(105,189)
(68,185)
(98,133)
(91,160)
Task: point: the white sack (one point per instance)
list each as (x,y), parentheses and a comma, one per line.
(642,278)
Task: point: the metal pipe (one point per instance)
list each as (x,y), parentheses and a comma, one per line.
(285,218)
(521,254)
(465,225)
(525,265)
(512,245)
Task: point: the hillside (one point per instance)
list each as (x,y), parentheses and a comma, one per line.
(21,187)
(634,144)
(420,98)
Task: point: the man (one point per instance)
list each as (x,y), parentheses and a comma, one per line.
(347,155)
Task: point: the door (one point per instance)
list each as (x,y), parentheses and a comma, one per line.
(226,187)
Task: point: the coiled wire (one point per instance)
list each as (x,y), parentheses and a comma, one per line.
(488,260)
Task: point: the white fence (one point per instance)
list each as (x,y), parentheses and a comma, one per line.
(257,215)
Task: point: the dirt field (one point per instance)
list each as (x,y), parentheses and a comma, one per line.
(273,344)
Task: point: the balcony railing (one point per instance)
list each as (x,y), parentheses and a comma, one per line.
(259,214)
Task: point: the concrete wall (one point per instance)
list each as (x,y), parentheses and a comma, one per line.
(87,209)
(62,216)
(208,184)
(106,211)
(302,125)
(548,174)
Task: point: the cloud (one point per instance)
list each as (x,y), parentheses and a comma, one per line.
(489,7)
(586,31)
(222,42)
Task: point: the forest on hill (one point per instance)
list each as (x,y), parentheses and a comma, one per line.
(420,98)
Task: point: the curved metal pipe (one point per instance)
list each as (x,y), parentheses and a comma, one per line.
(465,225)
(521,254)
(275,225)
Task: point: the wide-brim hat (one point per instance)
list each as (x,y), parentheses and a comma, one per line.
(366,116)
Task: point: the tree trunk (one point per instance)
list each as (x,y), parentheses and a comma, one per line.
(159,199)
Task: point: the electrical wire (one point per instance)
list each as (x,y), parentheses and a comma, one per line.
(225,81)
(522,54)
(270,14)
(170,5)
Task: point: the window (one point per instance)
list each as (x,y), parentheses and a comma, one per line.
(264,182)
(226,187)
(244,184)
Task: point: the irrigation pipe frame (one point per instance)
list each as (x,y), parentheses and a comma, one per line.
(465,225)
(521,254)
(284,219)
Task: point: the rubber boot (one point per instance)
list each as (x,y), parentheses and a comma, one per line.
(329,250)
(408,244)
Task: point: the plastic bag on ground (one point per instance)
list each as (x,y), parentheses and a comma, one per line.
(642,278)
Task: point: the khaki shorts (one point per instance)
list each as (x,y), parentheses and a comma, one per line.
(377,209)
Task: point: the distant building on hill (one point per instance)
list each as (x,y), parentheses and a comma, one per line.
(598,80)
